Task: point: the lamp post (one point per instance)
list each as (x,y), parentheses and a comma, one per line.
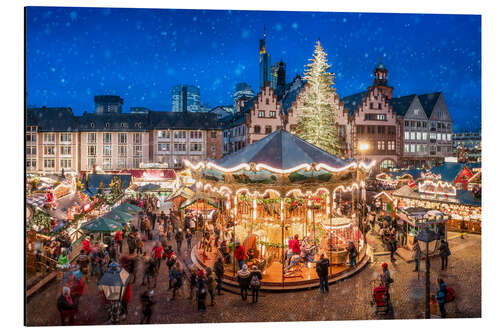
(363,147)
(426,236)
(113,284)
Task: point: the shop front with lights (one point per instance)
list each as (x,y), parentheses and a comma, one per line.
(273,191)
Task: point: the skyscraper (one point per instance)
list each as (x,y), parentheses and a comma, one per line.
(185,98)
(278,75)
(242,89)
(108,104)
(265,61)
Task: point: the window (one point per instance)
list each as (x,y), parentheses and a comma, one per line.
(419,135)
(30,137)
(49,137)
(256,129)
(387,164)
(391,145)
(214,135)
(213,148)
(391,130)
(267,101)
(92,125)
(107,125)
(163,135)
(359,129)
(412,135)
(370,129)
(66,164)
(137,138)
(91,137)
(418,148)
(195,135)
(31,164)
(407,123)
(342,131)
(179,147)
(412,124)
(262,114)
(31,150)
(122,138)
(381,145)
(418,124)
(424,124)
(449,136)
(412,148)
(371,105)
(269,129)
(122,125)
(380,106)
(415,111)
(424,136)
(138,125)
(65,137)
(49,164)
(272,114)
(106,137)
(438,149)
(91,150)
(91,162)
(439,136)
(137,150)
(432,136)
(106,163)
(137,163)
(163,147)
(49,150)
(65,150)
(179,135)
(424,148)
(381,116)
(195,147)
(122,163)
(122,151)
(381,129)
(106,150)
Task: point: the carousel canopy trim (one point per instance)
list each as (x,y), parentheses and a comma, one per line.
(280,151)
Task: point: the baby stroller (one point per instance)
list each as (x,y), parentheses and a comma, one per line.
(380,298)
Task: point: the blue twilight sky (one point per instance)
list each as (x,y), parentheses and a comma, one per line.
(139,54)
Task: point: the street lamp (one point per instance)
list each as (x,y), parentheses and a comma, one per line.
(113,284)
(426,236)
(363,147)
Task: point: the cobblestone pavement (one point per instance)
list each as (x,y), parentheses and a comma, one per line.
(347,300)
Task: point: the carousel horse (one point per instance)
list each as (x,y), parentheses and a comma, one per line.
(293,269)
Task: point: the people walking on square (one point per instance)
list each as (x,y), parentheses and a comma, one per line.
(441,297)
(192,281)
(147,303)
(211,285)
(178,239)
(444,252)
(201,295)
(119,240)
(353,254)
(189,237)
(219,273)
(67,306)
(417,254)
(244,281)
(255,283)
(322,270)
(385,277)
(157,254)
(83,261)
(175,276)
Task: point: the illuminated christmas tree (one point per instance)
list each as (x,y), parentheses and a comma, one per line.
(316,123)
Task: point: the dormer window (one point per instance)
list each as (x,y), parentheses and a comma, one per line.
(107,125)
(138,125)
(92,125)
(122,125)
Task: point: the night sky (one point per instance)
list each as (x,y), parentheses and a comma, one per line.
(139,54)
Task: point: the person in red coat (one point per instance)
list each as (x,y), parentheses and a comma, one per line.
(240,254)
(119,239)
(294,245)
(86,245)
(127,296)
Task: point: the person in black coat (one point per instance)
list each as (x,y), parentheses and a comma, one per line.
(244,281)
(444,252)
(219,273)
(67,305)
(147,306)
(201,295)
(255,282)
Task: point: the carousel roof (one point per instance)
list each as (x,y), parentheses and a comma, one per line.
(281,150)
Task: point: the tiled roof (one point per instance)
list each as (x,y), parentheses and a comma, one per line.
(400,105)
(448,171)
(281,150)
(51,119)
(352,102)
(428,102)
(233,120)
(113,122)
(183,120)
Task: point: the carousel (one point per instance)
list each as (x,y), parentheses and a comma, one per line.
(280,199)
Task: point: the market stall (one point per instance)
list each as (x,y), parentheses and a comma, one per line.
(276,190)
